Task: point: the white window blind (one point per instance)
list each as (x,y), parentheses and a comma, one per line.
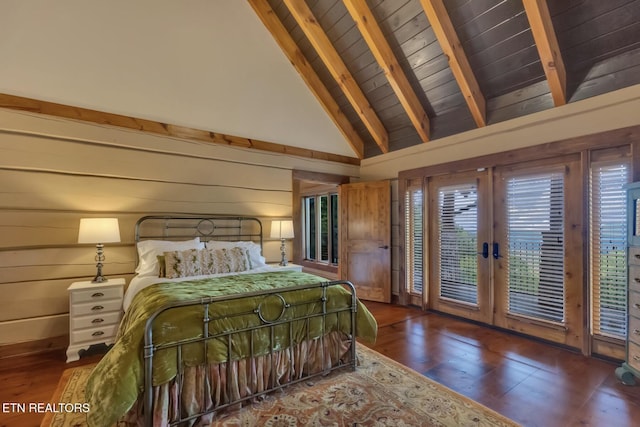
(535,245)
(414,241)
(458,240)
(608,248)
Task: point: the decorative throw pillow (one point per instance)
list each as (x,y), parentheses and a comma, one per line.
(225,260)
(148,250)
(183,263)
(254,250)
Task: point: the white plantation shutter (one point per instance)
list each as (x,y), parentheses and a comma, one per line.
(608,247)
(414,240)
(535,246)
(458,241)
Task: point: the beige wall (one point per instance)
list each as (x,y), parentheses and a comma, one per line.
(55,171)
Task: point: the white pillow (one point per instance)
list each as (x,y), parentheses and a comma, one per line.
(255,251)
(148,251)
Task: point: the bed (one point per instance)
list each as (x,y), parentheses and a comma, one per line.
(208,325)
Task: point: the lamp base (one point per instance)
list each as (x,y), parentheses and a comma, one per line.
(99,258)
(283,261)
(99,279)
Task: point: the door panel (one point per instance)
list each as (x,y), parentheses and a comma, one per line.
(460,273)
(538,271)
(365,238)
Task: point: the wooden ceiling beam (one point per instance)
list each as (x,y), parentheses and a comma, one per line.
(387,60)
(452,48)
(83,114)
(330,57)
(548,49)
(308,74)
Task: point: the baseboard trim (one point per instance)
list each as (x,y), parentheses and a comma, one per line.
(34,347)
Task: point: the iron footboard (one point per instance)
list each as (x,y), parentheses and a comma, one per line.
(274,300)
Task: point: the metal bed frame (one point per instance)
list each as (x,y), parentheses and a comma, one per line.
(208,227)
(238,228)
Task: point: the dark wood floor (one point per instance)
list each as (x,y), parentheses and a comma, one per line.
(530,382)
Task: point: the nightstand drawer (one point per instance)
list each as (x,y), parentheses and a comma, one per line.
(634,356)
(92,295)
(97,307)
(634,330)
(96,320)
(634,255)
(634,304)
(634,277)
(100,334)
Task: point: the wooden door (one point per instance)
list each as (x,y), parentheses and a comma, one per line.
(365,238)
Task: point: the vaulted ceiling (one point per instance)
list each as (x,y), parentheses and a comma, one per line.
(396,73)
(389,74)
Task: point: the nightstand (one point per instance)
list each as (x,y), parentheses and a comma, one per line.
(95,310)
(288,267)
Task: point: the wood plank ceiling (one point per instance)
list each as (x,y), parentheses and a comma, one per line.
(396,73)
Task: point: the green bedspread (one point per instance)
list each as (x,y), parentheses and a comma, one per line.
(117,381)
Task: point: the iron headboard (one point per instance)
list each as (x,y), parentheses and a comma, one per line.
(206,227)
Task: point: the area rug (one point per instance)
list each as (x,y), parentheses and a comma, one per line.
(381,392)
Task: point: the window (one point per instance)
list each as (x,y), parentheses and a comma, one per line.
(320,228)
(414,240)
(535,239)
(608,247)
(458,241)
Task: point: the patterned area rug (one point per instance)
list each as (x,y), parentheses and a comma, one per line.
(381,392)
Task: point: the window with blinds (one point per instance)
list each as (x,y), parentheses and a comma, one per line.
(414,221)
(535,250)
(458,241)
(608,247)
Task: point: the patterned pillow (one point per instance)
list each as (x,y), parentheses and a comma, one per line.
(183,263)
(225,260)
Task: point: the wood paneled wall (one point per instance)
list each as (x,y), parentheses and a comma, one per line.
(55,171)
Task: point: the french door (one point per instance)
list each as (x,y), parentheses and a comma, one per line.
(460,223)
(506,247)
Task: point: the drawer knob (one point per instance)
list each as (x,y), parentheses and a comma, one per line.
(97,307)
(636,279)
(97,321)
(97,333)
(97,295)
(636,331)
(637,256)
(637,305)
(636,358)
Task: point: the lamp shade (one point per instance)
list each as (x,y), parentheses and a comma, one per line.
(282,229)
(99,230)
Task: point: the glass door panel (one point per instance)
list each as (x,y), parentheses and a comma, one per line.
(459,255)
